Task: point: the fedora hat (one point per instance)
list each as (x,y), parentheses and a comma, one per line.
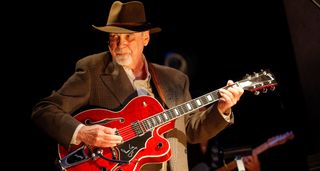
(127,17)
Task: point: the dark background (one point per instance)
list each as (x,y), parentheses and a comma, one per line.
(221,40)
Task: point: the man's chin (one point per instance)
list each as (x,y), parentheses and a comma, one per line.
(124,63)
(123,60)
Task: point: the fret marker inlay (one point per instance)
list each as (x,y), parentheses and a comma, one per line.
(209,97)
(198,102)
(165,116)
(175,110)
(189,106)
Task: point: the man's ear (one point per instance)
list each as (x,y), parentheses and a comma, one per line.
(146,37)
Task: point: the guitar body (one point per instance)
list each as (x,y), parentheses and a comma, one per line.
(136,151)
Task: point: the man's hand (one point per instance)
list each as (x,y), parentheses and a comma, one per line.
(229,97)
(99,136)
(251,163)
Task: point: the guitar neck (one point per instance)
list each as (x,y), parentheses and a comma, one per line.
(251,83)
(256,151)
(261,148)
(233,164)
(180,110)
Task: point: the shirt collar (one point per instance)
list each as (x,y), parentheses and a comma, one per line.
(130,74)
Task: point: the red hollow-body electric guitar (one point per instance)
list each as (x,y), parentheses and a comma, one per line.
(141,123)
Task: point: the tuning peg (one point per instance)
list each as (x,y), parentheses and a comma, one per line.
(248,76)
(256,93)
(264,90)
(263,72)
(272,88)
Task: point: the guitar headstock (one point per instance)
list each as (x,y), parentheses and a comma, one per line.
(257,82)
(280,139)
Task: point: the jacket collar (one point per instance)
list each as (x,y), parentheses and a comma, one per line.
(117,81)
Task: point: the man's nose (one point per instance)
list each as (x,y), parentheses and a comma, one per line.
(122,41)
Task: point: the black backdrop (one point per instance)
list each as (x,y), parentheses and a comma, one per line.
(221,40)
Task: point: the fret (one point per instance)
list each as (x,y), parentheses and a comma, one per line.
(184,108)
(145,124)
(165,116)
(176,112)
(215,95)
(171,114)
(189,107)
(159,119)
(137,129)
(149,123)
(154,121)
(194,104)
(204,100)
(180,109)
(209,97)
(198,102)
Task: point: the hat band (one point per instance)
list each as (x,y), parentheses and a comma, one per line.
(127,24)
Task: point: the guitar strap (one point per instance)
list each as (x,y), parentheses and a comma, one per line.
(156,84)
(159,93)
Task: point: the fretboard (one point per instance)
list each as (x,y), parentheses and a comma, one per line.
(180,110)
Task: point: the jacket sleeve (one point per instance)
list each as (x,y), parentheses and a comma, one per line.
(204,124)
(53,113)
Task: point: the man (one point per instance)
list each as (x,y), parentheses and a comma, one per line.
(110,80)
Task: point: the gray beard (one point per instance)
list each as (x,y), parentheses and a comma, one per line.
(123,60)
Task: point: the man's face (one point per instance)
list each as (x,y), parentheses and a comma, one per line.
(127,49)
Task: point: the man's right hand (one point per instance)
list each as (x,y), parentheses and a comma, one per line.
(99,136)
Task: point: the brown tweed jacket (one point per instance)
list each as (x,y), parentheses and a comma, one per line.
(98,81)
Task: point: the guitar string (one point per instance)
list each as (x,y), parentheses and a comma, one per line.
(126,132)
(129,130)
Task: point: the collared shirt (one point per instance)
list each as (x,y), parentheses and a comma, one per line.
(143,87)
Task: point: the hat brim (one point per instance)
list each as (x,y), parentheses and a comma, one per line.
(127,29)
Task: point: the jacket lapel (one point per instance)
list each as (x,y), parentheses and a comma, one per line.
(160,86)
(117,82)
